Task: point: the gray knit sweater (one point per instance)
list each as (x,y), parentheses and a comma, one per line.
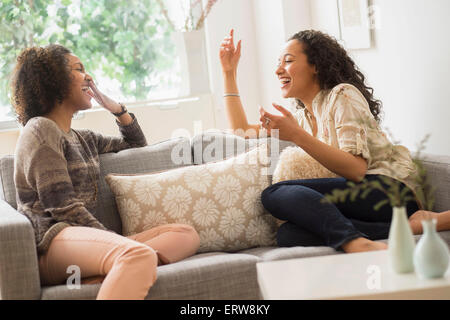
(56,174)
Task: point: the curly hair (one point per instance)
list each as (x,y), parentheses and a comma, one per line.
(40,80)
(334,66)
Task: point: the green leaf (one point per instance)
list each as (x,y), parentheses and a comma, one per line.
(377,185)
(354,194)
(380,204)
(53,38)
(365,193)
(142,48)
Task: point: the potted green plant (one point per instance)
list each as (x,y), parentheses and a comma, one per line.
(401,243)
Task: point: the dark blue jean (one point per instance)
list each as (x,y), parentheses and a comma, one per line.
(311,222)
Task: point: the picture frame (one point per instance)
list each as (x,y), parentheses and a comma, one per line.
(354,23)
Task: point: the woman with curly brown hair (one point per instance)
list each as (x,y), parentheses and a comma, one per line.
(332,100)
(56,177)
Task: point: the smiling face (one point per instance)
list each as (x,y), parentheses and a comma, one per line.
(78,94)
(297,77)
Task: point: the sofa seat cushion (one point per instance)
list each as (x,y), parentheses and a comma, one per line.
(275,253)
(213,275)
(61,292)
(208,276)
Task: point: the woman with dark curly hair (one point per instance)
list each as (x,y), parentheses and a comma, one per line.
(337,124)
(56,176)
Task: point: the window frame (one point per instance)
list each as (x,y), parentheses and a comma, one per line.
(9,125)
(13,124)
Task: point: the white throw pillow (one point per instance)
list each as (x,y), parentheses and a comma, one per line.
(294,163)
(221,200)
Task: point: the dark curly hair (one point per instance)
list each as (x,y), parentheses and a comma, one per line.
(40,80)
(334,66)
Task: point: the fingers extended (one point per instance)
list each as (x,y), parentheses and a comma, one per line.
(227,45)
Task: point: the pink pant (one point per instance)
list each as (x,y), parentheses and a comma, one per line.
(128,264)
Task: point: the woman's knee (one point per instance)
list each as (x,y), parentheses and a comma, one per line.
(284,200)
(187,234)
(139,257)
(287,192)
(192,234)
(269,196)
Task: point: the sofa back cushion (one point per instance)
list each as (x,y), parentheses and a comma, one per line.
(438,172)
(221,200)
(165,155)
(7,187)
(219,145)
(157,157)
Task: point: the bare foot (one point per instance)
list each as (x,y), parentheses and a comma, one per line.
(415,220)
(362,245)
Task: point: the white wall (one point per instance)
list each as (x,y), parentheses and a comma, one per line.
(296,16)
(268,15)
(408,66)
(236,14)
(263,26)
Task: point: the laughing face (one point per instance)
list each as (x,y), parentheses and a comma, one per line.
(80,95)
(295,74)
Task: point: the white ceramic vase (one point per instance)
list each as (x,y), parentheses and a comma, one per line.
(193,62)
(431,256)
(401,242)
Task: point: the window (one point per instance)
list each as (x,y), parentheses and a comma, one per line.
(126,45)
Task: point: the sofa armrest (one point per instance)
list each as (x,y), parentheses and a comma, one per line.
(19,271)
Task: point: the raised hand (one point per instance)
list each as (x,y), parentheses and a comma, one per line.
(103,99)
(229,54)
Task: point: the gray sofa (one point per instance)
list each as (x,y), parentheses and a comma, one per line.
(213,275)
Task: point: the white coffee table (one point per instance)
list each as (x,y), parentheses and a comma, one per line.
(366,275)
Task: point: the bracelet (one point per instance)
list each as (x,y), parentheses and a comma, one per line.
(124,110)
(231,95)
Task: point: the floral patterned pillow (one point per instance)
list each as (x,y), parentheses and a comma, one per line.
(221,200)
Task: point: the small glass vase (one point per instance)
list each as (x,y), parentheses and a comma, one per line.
(401,242)
(431,256)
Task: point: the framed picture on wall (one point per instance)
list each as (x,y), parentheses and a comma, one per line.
(354,23)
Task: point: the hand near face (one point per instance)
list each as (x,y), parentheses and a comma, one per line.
(102,99)
(286,123)
(229,54)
